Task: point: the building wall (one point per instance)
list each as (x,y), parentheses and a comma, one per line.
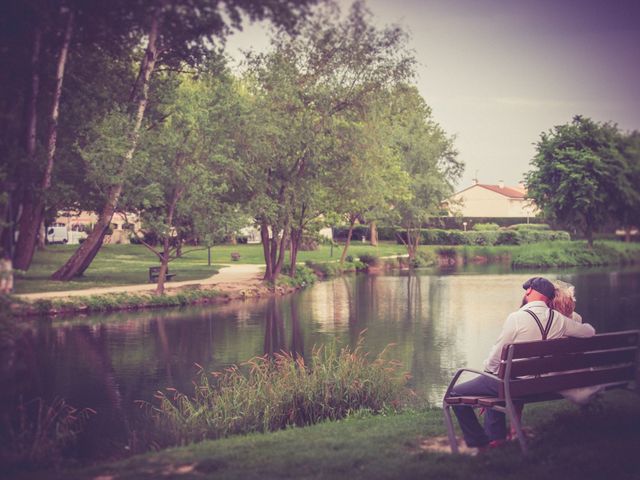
(73,220)
(481,202)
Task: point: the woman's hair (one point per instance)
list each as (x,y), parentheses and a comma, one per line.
(564,300)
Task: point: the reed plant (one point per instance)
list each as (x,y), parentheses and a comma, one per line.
(39,432)
(268,394)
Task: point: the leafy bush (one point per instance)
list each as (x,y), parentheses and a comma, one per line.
(508,237)
(485,237)
(481,227)
(541,235)
(370,260)
(424,258)
(457,237)
(304,276)
(530,226)
(387,233)
(280,392)
(435,236)
(340,233)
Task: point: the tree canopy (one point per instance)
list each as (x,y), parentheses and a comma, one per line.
(583,175)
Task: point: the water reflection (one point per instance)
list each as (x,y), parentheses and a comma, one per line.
(438,323)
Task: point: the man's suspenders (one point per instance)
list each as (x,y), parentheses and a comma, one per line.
(544,331)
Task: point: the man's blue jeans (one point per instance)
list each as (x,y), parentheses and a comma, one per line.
(495,427)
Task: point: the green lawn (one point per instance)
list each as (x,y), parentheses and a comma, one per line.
(568,443)
(129,264)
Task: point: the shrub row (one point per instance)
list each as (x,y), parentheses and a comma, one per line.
(391,233)
(434,236)
(566,254)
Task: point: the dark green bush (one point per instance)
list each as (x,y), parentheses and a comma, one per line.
(530,226)
(482,227)
(340,233)
(370,260)
(387,233)
(457,237)
(508,237)
(486,237)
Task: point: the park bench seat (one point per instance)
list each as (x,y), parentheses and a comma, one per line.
(537,371)
(155,271)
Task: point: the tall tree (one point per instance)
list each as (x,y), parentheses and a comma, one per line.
(188,161)
(304,89)
(578,174)
(627,206)
(369,176)
(429,159)
(33,205)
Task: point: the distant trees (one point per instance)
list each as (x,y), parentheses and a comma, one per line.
(585,174)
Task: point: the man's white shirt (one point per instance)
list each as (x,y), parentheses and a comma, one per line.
(521,327)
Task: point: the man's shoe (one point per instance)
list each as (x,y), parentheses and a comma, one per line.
(497,443)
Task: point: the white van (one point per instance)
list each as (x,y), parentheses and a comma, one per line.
(62,235)
(57,235)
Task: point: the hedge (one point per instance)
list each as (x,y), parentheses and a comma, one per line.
(436,236)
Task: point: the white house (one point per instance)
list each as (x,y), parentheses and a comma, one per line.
(79,221)
(482,200)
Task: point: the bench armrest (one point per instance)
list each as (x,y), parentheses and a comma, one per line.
(455,378)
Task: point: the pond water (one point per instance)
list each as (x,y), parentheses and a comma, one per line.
(438,321)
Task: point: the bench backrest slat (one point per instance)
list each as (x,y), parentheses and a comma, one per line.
(629,338)
(570,361)
(553,383)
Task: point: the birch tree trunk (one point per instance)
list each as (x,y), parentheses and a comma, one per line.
(166,244)
(352,222)
(84,255)
(373,228)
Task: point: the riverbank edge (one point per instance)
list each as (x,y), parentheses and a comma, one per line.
(543,255)
(197,294)
(586,443)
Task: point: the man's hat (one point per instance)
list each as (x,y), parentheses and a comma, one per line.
(541,285)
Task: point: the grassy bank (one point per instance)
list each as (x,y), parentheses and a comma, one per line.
(576,254)
(107,302)
(548,254)
(129,264)
(569,443)
(114,265)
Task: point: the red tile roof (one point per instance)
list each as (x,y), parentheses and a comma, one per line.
(510,192)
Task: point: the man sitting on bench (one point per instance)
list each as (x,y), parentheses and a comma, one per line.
(533,321)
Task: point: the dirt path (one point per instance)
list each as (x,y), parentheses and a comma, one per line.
(230,278)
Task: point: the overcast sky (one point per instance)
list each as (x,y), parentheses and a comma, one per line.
(497,73)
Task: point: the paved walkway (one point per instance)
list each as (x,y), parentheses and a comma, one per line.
(229,277)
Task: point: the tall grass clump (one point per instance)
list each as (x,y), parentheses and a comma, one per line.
(268,394)
(40,433)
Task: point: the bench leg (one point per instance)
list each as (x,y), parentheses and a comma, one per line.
(453,442)
(514,420)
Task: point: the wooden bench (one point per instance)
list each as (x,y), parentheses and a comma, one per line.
(536,371)
(154,272)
